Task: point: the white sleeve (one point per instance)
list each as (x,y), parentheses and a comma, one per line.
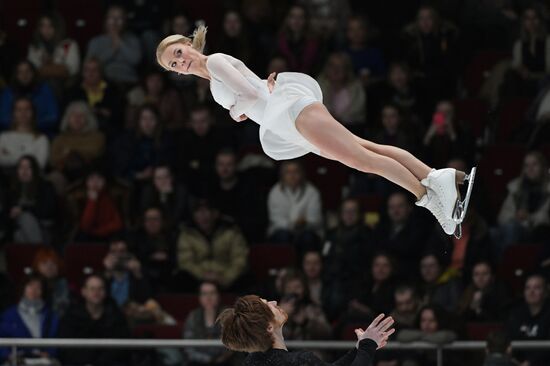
(314,216)
(278,211)
(72,59)
(42,150)
(246,94)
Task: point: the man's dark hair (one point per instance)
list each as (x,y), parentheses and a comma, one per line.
(497,342)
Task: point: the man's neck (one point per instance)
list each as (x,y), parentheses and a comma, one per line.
(94,310)
(278,340)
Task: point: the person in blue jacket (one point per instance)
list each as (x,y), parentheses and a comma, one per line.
(31,317)
(25,83)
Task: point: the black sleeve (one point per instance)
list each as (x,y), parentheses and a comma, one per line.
(363,356)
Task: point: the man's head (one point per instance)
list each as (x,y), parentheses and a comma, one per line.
(312,264)
(204,216)
(406,300)
(200,120)
(292,174)
(350,212)
(498,342)
(482,275)
(535,290)
(399,208)
(226,165)
(93,290)
(430,268)
(153,220)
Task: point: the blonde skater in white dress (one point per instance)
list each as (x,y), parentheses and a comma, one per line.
(293,122)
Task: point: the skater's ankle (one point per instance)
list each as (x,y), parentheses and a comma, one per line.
(460,177)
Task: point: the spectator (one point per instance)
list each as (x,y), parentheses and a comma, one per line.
(530,59)
(296,43)
(499,350)
(327,294)
(179,23)
(407,306)
(210,249)
(78,145)
(432,326)
(233,39)
(327,17)
(56,57)
(403,234)
(395,130)
(368,62)
(94,317)
(343,93)
(100,96)
(531,320)
(165,192)
(201,324)
(49,265)
(350,240)
(155,246)
(32,203)
(306,320)
(127,285)
(461,254)
(238,197)
(294,208)
(197,148)
(31,317)
(156,91)
(118,50)
(96,207)
(25,84)
(23,139)
(447,137)
(374,295)
(485,299)
(430,48)
(438,287)
(139,150)
(524,215)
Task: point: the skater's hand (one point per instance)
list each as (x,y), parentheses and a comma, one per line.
(379,331)
(237,118)
(271,81)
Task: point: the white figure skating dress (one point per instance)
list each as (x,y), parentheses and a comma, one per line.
(239,90)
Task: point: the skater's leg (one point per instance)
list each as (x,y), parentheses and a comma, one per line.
(333,140)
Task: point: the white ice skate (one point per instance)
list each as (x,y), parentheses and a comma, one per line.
(462,206)
(432,202)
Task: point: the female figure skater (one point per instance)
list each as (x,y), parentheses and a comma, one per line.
(255,325)
(293,122)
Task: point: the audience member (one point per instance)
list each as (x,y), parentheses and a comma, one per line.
(306,319)
(155,246)
(32,203)
(407,306)
(343,93)
(210,249)
(531,320)
(31,317)
(485,299)
(165,192)
(55,57)
(201,324)
(94,317)
(118,49)
(438,286)
(524,214)
(294,208)
(23,139)
(25,84)
(234,39)
(79,143)
(49,265)
(498,350)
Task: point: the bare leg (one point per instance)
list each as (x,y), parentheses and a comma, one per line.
(317,125)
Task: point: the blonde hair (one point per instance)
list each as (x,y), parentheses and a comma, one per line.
(197,41)
(82,107)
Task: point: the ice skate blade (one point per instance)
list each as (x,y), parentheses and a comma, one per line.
(461,207)
(458,231)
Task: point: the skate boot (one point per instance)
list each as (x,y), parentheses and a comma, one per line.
(431,202)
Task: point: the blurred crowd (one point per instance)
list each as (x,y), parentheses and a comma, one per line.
(100,146)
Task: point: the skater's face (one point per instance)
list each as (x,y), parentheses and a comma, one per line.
(181,58)
(535,290)
(532,167)
(279,314)
(481,275)
(428,321)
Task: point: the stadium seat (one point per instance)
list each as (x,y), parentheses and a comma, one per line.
(479,331)
(158,331)
(499,165)
(19,259)
(473,112)
(511,117)
(265,257)
(517,262)
(479,69)
(329,176)
(82,259)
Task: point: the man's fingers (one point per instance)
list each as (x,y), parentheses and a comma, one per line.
(376,320)
(389,332)
(385,324)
